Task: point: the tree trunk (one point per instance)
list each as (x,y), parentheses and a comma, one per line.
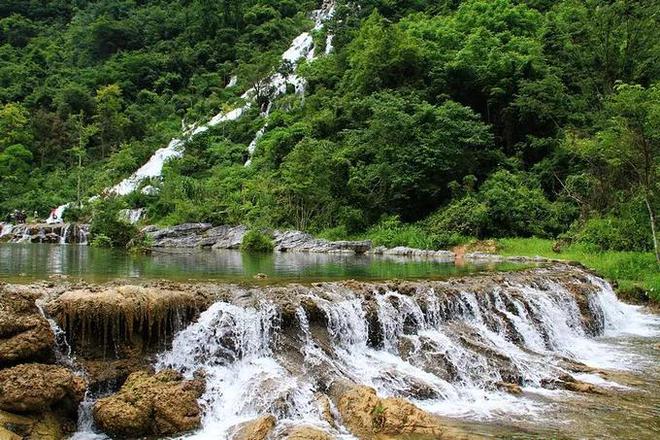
(655,239)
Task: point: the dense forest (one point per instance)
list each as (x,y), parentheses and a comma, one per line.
(430,122)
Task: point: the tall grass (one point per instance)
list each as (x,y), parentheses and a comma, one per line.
(632,271)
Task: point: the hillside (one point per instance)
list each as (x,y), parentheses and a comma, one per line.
(423,123)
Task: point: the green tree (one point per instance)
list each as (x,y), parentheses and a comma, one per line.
(109,118)
(14,126)
(625,153)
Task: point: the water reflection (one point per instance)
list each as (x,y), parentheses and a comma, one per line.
(34,261)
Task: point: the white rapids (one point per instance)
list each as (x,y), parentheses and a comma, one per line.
(446,353)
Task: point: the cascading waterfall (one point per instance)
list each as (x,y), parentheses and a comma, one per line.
(447,351)
(301,48)
(62,233)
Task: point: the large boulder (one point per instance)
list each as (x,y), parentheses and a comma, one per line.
(43,426)
(159,404)
(307,433)
(257,429)
(366,415)
(25,335)
(39,388)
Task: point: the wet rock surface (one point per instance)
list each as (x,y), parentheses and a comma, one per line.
(159,404)
(99,320)
(367,415)
(40,387)
(257,429)
(25,334)
(70,233)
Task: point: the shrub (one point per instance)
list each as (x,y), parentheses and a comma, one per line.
(257,241)
(391,232)
(467,216)
(106,221)
(101,241)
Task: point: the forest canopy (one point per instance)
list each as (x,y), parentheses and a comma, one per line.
(477,118)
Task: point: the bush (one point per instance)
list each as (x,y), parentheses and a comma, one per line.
(467,216)
(106,222)
(613,233)
(391,232)
(256,241)
(101,241)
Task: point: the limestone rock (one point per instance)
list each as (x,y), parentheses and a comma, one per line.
(99,319)
(159,404)
(366,414)
(257,429)
(25,334)
(510,388)
(38,388)
(307,433)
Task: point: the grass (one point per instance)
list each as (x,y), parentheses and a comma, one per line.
(635,273)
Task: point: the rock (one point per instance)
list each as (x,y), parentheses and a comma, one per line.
(257,429)
(307,433)
(38,388)
(511,388)
(569,383)
(97,320)
(159,404)
(42,426)
(25,334)
(296,241)
(185,235)
(364,413)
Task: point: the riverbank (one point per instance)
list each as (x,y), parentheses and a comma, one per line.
(635,274)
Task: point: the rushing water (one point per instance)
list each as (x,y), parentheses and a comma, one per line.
(445,353)
(22,262)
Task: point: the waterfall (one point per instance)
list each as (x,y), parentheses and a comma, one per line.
(445,348)
(301,48)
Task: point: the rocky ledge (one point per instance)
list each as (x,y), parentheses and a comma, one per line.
(70,233)
(115,331)
(205,235)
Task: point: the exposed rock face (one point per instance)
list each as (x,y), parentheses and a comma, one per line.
(25,334)
(204,235)
(44,426)
(257,429)
(98,320)
(404,251)
(366,414)
(296,241)
(194,235)
(45,233)
(159,404)
(39,387)
(307,433)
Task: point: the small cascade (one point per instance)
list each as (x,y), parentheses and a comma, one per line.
(64,356)
(446,347)
(65,233)
(132,216)
(57,213)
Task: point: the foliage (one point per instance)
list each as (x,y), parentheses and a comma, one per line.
(430,122)
(628,269)
(106,223)
(101,241)
(255,241)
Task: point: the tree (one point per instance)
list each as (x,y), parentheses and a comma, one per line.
(626,151)
(14,125)
(84,134)
(109,119)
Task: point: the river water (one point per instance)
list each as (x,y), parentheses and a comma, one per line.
(24,262)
